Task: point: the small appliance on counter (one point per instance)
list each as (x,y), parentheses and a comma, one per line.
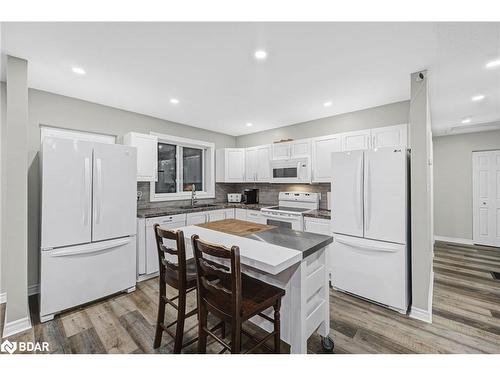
(234,197)
(251,196)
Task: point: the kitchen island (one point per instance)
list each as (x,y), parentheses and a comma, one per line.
(292,260)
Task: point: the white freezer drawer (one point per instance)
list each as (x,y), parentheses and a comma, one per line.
(74,275)
(371,269)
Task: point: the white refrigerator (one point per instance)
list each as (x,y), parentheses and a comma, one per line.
(370,211)
(88,222)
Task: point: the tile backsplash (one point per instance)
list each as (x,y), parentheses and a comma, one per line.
(268,193)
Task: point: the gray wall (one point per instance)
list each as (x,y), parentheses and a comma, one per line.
(421,196)
(385,115)
(453,180)
(56,110)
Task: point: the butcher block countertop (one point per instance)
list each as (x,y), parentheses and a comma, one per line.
(237,227)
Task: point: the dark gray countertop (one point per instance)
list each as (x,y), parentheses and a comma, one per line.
(307,243)
(166,211)
(319,214)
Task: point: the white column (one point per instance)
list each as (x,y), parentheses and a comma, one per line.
(14,210)
(421,198)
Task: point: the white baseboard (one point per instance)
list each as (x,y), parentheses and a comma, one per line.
(3,297)
(462,241)
(16,326)
(420,314)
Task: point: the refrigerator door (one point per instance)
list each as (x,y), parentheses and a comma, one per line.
(66,180)
(114,192)
(374,270)
(385,196)
(71,276)
(347,193)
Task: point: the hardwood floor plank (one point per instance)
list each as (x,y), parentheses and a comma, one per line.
(140,330)
(112,334)
(86,342)
(75,322)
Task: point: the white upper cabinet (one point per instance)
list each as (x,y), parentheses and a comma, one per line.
(147,154)
(257,164)
(358,140)
(390,136)
(230,165)
(281,151)
(321,151)
(289,150)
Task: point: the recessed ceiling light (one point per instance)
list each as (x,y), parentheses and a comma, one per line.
(78,70)
(466,120)
(477,98)
(260,54)
(174,101)
(249,124)
(493,63)
(327,104)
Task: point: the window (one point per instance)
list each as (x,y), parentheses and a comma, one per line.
(183,164)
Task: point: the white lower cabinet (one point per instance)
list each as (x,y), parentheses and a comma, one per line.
(320,226)
(240,213)
(194,218)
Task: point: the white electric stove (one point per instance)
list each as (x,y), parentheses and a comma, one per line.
(290,210)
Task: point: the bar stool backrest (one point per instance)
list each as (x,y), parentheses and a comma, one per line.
(218,285)
(168,266)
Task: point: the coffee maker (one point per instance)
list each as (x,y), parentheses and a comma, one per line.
(251,196)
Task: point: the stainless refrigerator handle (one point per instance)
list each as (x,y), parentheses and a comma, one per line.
(86,199)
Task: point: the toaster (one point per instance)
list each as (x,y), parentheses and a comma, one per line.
(234,198)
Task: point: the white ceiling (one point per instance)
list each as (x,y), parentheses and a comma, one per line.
(210,68)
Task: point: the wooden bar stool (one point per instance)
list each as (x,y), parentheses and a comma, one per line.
(180,275)
(231,296)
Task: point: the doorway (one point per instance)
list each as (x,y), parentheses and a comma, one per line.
(486,197)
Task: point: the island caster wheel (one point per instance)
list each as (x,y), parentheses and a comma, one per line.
(327,344)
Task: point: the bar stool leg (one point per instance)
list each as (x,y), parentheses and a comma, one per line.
(181,315)
(277,335)
(161,316)
(202,326)
(235,336)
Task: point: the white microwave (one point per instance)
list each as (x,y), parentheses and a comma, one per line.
(291,171)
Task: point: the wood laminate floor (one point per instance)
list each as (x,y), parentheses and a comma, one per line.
(466,317)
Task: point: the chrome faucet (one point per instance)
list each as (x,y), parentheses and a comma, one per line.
(193,195)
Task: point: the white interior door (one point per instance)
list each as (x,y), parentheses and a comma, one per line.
(114,191)
(385,195)
(486,197)
(347,193)
(66,192)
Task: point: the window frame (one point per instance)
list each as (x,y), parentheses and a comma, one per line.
(208,169)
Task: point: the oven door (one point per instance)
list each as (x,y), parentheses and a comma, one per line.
(291,171)
(294,223)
